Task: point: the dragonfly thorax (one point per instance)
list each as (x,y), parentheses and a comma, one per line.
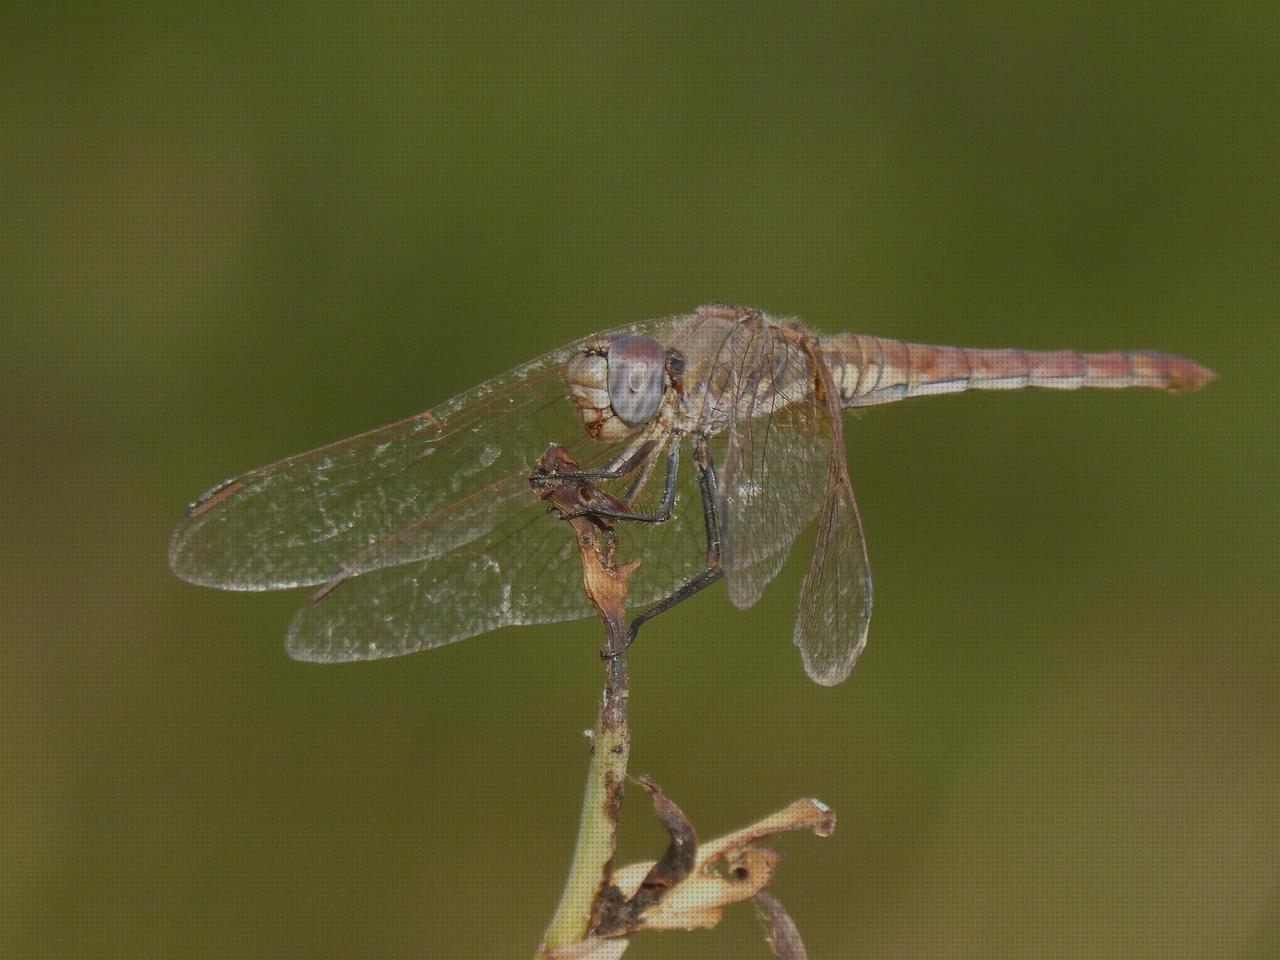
(617,386)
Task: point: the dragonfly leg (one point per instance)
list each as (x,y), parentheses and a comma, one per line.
(707,485)
(665,509)
(621,465)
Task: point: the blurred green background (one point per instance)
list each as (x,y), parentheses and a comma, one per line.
(233,233)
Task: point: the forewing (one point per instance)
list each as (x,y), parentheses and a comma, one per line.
(835,598)
(775,460)
(412,490)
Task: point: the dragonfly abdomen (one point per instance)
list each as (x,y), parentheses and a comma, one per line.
(868,370)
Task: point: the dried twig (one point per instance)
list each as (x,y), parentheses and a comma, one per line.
(605,582)
(727,870)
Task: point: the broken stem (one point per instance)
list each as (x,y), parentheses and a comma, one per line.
(606,585)
(598,826)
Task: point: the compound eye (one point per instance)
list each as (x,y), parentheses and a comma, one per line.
(636,378)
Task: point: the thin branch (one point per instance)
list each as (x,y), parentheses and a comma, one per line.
(605,582)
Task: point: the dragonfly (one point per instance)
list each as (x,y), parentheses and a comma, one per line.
(720,429)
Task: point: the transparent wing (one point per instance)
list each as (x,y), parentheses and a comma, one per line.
(523,569)
(835,598)
(412,490)
(774,465)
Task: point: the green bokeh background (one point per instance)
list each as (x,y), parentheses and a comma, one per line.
(232,233)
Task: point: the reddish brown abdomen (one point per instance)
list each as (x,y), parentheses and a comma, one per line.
(869,370)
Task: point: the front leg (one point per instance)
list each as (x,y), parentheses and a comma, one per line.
(667,507)
(635,454)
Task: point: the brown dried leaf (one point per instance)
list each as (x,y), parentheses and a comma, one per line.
(726,870)
(617,912)
(682,850)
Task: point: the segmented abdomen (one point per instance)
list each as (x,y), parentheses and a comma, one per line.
(869,370)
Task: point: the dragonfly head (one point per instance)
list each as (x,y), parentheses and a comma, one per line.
(617,385)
